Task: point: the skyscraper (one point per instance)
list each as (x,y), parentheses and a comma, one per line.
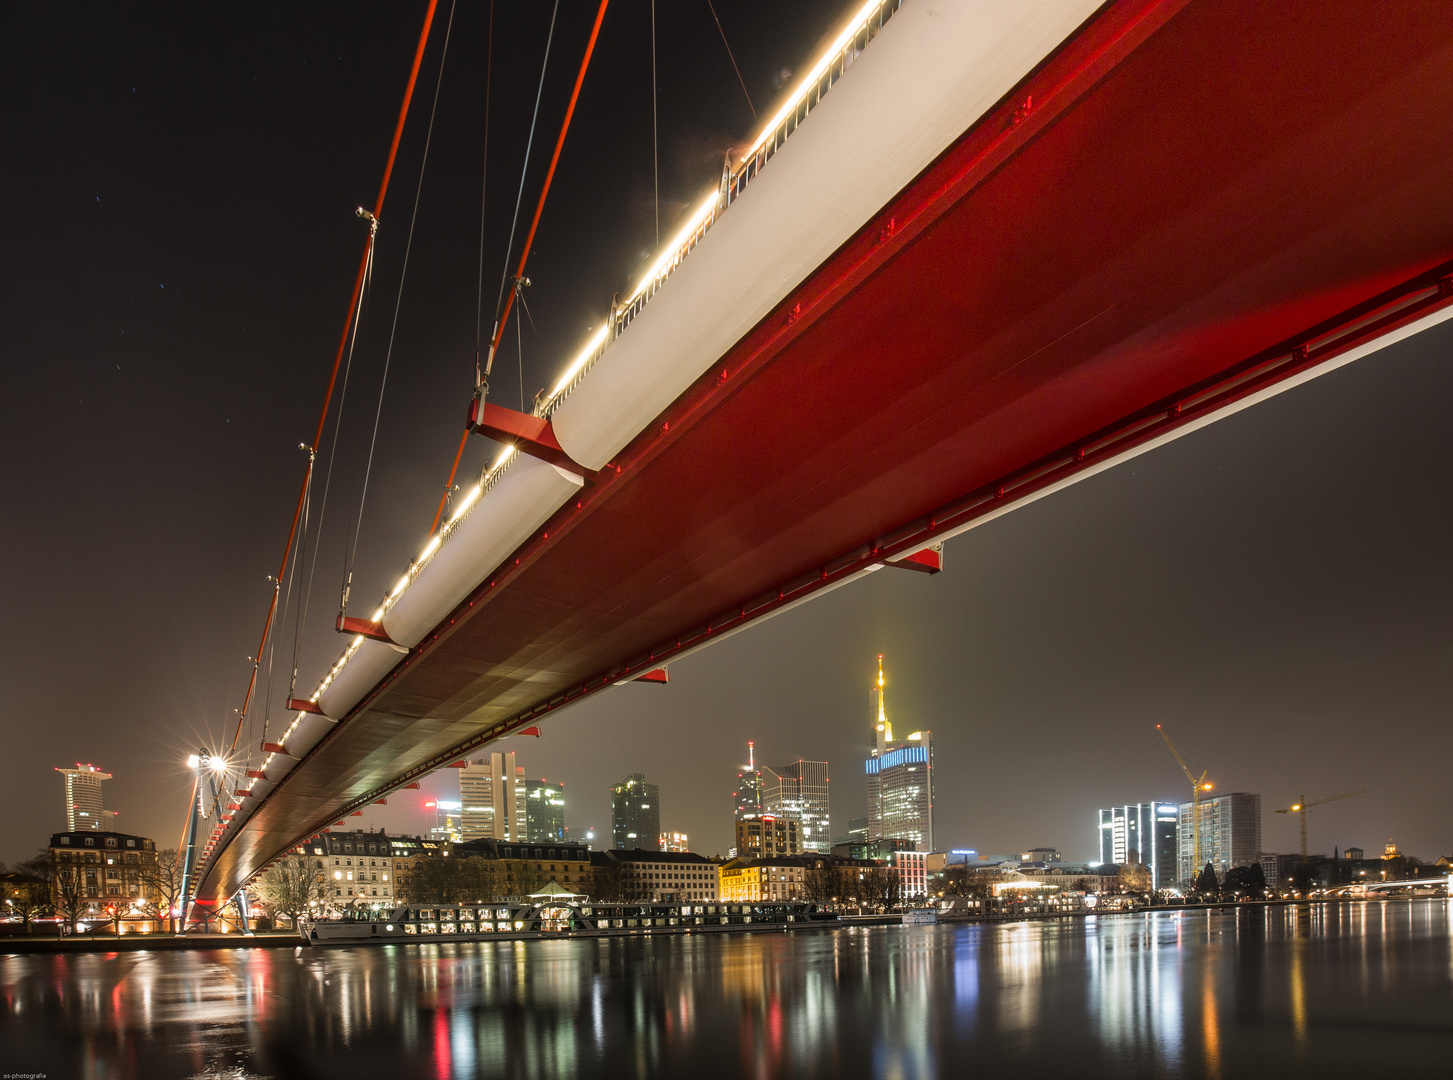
(1144,833)
(748,796)
(635,813)
(1230,834)
(900,779)
(492,798)
(544,812)
(83,799)
(799,791)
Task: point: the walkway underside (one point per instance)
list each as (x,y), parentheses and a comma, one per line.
(1144,235)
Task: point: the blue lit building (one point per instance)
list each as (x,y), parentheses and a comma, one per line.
(900,780)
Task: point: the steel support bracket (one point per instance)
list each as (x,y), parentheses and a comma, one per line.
(927,560)
(531,435)
(367,628)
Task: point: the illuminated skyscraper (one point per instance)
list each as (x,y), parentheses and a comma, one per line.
(635,814)
(545,812)
(799,791)
(900,779)
(83,799)
(1144,833)
(492,798)
(748,796)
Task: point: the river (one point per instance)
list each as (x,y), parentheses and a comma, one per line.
(1328,990)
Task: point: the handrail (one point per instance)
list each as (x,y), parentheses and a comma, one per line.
(735,180)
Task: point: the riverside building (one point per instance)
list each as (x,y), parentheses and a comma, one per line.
(1144,833)
(767,836)
(1230,834)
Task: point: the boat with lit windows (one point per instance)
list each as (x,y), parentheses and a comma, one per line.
(561,915)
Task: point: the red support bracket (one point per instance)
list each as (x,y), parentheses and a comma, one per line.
(304,705)
(275,748)
(242,793)
(255,774)
(374,631)
(658,676)
(380,802)
(927,561)
(356,813)
(414,785)
(529,434)
(457,765)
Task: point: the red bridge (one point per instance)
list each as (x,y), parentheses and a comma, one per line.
(988,250)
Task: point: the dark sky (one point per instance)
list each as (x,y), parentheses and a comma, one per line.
(177,253)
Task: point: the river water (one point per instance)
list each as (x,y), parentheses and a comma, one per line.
(1326,990)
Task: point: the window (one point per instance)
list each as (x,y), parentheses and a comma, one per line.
(90,842)
(65,839)
(131,843)
(110,841)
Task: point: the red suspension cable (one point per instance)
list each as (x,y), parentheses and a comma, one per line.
(525,252)
(338,360)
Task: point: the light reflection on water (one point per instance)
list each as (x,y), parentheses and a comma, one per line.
(1194,993)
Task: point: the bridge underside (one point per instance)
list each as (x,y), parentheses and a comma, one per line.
(1149,228)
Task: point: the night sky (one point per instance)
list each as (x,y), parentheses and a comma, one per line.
(177,253)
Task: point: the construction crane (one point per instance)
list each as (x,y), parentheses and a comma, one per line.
(1300,809)
(1198,785)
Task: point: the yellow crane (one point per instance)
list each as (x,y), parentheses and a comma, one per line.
(1198,785)
(1300,809)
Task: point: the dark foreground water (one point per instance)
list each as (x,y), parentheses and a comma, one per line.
(1358,989)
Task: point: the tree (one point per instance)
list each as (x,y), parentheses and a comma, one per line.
(606,883)
(70,893)
(1206,884)
(1085,886)
(524,877)
(28,888)
(823,882)
(161,886)
(292,886)
(1135,878)
(1245,881)
(445,879)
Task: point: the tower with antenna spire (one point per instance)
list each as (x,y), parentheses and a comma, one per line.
(900,778)
(748,795)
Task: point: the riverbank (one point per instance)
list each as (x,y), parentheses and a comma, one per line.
(85,943)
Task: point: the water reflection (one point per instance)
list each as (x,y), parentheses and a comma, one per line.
(1202,994)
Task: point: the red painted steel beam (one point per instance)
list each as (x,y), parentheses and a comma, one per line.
(367,628)
(527,434)
(304,705)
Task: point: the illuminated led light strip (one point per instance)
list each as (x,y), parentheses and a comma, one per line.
(810,80)
(673,249)
(596,341)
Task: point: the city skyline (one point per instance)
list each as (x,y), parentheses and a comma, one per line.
(1216,582)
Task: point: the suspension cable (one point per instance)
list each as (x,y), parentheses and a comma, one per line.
(305,596)
(519,197)
(732,58)
(655,138)
(549,175)
(483,192)
(338,359)
(482,386)
(398,304)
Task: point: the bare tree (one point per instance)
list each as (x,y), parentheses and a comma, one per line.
(606,883)
(69,893)
(161,886)
(1134,878)
(292,886)
(823,882)
(27,889)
